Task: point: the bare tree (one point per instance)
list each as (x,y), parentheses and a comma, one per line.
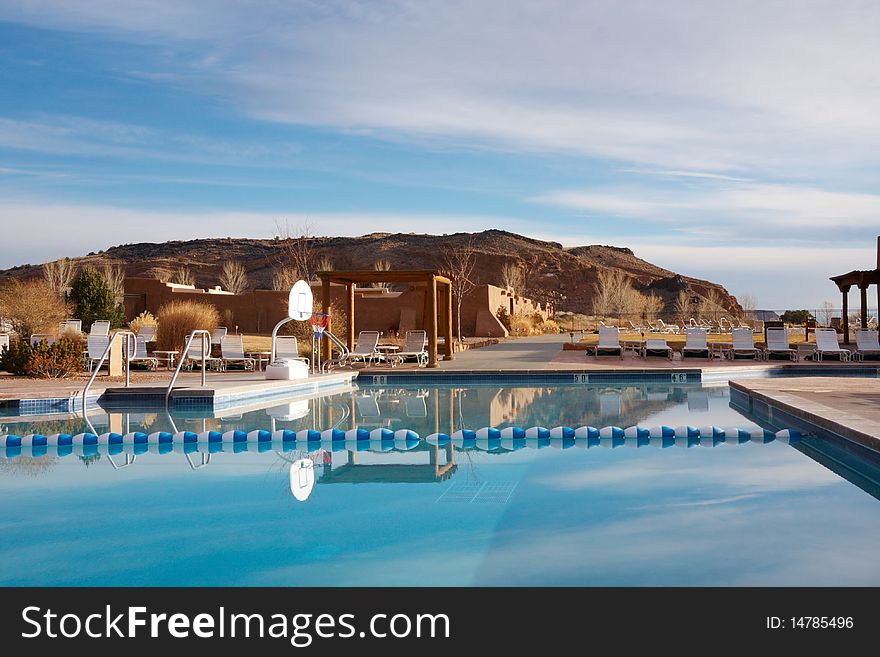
(297,249)
(381,265)
(59,275)
(459,262)
(512,276)
(711,304)
(324,264)
(114,274)
(283,277)
(826,312)
(183,276)
(233,277)
(652,306)
(682,306)
(614,294)
(161,273)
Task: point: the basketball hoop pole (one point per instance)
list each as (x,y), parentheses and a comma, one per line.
(319,323)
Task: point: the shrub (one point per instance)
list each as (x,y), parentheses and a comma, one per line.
(45,361)
(31,306)
(303,330)
(14,358)
(796,316)
(503,317)
(55,361)
(178,318)
(93,299)
(146,318)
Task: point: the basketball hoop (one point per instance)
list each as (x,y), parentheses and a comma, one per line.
(320,322)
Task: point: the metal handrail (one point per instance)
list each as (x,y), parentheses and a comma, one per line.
(206,349)
(128,353)
(343,352)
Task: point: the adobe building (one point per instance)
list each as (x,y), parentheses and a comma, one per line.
(378,309)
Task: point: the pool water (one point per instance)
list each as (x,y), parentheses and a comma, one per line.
(692,513)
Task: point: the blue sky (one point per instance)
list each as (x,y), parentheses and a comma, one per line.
(734,143)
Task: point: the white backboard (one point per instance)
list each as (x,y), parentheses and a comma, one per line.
(299,303)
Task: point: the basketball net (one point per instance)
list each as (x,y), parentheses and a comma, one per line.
(319,321)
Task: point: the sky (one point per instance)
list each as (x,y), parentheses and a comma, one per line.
(736,142)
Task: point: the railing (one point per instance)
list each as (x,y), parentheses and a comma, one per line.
(206,351)
(131,339)
(343,352)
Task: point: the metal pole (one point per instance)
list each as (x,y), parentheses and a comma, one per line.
(206,349)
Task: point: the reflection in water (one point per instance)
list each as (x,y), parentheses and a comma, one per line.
(302,478)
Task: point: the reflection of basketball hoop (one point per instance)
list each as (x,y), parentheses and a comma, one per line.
(319,321)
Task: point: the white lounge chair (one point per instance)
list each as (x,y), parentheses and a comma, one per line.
(414,406)
(696,343)
(662,327)
(367,406)
(777,343)
(140,354)
(743,344)
(198,350)
(37,338)
(867,344)
(826,343)
(609,342)
(95,347)
(232,351)
(100,327)
(218,334)
(147,332)
(365,347)
(414,346)
(656,347)
(287,348)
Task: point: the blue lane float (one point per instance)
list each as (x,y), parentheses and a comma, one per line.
(382,439)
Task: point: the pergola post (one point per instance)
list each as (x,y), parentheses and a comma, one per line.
(845,312)
(449,346)
(325,308)
(349,309)
(432,322)
(863,298)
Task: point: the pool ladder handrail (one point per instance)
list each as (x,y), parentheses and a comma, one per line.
(129,335)
(327,365)
(206,351)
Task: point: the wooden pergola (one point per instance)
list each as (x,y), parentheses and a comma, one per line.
(861,279)
(438,302)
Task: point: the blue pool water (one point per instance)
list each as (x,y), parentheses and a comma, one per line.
(691,513)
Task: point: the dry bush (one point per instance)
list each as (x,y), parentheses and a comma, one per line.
(283,277)
(524,324)
(381,265)
(32,306)
(146,318)
(233,277)
(178,318)
(324,264)
(59,275)
(56,361)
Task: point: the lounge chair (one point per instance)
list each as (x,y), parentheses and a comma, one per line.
(364,348)
(100,327)
(695,343)
(635,328)
(95,347)
(287,348)
(37,338)
(414,406)
(199,351)
(140,354)
(148,333)
(367,406)
(663,327)
(867,344)
(232,351)
(743,344)
(656,347)
(414,346)
(609,342)
(777,343)
(218,334)
(826,343)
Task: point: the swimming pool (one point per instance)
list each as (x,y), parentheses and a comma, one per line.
(600,510)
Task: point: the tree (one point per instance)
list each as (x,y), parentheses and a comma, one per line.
(93,299)
(381,265)
(512,276)
(796,316)
(31,306)
(459,262)
(59,274)
(682,306)
(283,277)
(826,312)
(114,274)
(183,276)
(233,277)
(748,303)
(614,294)
(297,249)
(324,264)
(711,304)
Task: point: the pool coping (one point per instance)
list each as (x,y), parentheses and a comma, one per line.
(783,409)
